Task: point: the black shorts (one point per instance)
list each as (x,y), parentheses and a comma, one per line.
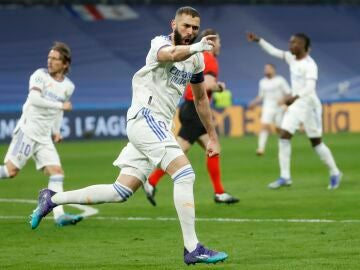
(191,126)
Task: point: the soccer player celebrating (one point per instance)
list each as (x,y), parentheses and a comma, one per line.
(49,94)
(172,62)
(273,89)
(304,107)
(192,130)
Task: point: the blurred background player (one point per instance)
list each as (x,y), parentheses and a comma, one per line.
(192,130)
(49,94)
(173,61)
(273,89)
(304,107)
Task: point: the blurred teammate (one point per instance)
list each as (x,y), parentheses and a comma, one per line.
(172,62)
(304,107)
(49,94)
(192,130)
(273,89)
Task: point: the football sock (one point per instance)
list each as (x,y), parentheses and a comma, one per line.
(4,173)
(155,176)
(326,156)
(94,194)
(184,203)
(263,136)
(284,158)
(213,166)
(56,183)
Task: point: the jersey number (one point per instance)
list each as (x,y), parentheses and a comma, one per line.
(25,149)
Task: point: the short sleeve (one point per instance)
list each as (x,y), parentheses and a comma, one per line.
(156,44)
(37,80)
(199,65)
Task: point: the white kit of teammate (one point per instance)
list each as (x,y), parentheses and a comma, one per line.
(304,107)
(39,125)
(41,117)
(273,89)
(307,108)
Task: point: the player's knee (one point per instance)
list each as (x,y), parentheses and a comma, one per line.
(185,174)
(315,141)
(123,193)
(12,171)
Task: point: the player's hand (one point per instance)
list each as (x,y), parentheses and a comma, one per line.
(213,147)
(288,100)
(252,37)
(205,44)
(221,86)
(67,106)
(57,138)
(252,105)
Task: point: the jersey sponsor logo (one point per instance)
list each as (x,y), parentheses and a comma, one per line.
(49,95)
(179,77)
(39,80)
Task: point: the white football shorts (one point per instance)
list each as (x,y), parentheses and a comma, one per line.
(271,115)
(309,116)
(151,144)
(22,148)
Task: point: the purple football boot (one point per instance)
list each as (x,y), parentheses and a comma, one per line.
(45,206)
(202,254)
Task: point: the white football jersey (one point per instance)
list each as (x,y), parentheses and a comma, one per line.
(300,72)
(37,122)
(273,90)
(160,86)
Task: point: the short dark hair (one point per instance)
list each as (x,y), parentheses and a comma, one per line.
(306,40)
(271,64)
(188,11)
(65,53)
(208,31)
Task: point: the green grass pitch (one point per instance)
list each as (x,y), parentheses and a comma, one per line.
(259,234)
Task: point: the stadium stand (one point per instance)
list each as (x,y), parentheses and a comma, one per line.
(106,52)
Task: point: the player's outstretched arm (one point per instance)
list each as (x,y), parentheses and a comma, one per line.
(266,46)
(182,52)
(201,102)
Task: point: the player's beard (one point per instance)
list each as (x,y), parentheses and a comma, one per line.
(178,38)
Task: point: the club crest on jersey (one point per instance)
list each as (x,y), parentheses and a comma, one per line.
(179,77)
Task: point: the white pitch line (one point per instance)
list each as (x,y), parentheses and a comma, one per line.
(228,220)
(90,211)
(87,210)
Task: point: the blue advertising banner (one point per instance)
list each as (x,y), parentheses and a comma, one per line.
(77,125)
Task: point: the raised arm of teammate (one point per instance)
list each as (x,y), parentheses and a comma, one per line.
(266,46)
